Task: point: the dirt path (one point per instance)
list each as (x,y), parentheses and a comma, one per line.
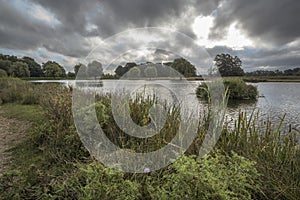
(12,131)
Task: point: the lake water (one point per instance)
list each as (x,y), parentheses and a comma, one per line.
(277,99)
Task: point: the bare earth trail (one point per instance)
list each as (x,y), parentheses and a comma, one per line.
(12,132)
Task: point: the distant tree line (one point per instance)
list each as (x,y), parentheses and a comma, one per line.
(226,65)
(288,72)
(149,69)
(28,67)
(92,71)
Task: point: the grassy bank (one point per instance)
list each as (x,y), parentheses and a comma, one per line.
(47,78)
(248,162)
(31,113)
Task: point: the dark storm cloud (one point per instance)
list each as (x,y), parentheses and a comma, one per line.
(273,22)
(113,16)
(270,23)
(80,20)
(220,49)
(18,31)
(282,58)
(71,13)
(143,13)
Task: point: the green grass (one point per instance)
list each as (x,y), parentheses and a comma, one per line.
(32,113)
(47,78)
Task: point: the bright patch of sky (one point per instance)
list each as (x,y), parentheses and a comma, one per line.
(233,38)
(91,27)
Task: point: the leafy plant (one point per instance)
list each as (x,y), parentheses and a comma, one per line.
(94,181)
(216,176)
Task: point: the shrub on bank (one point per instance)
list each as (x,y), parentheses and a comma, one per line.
(236,87)
(14,90)
(95,181)
(3,73)
(216,176)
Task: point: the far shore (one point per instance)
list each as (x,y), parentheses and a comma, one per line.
(251,79)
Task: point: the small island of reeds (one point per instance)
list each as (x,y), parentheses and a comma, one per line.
(236,88)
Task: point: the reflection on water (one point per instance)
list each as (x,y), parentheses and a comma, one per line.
(277,98)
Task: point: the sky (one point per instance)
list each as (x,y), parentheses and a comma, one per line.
(264,34)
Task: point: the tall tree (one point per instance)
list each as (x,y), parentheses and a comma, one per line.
(53,69)
(79,66)
(151,71)
(94,69)
(134,72)
(71,75)
(34,68)
(19,69)
(3,73)
(120,71)
(184,67)
(80,71)
(5,65)
(229,65)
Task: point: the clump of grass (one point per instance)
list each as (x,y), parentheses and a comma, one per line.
(274,150)
(61,131)
(254,79)
(15,90)
(31,113)
(139,112)
(3,73)
(237,90)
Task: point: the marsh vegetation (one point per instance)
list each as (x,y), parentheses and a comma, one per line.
(248,162)
(236,89)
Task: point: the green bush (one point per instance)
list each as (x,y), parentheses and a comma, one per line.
(237,90)
(15,90)
(3,73)
(215,176)
(94,181)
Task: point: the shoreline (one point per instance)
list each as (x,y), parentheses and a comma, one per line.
(250,79)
